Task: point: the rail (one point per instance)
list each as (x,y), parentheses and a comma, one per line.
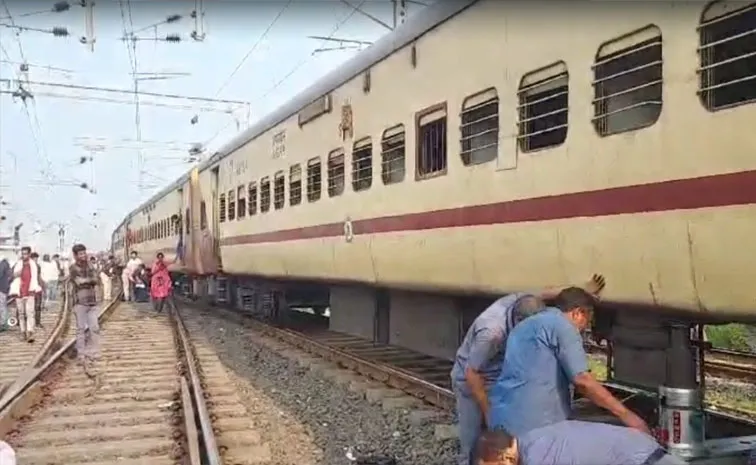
(23,394)
(394,377)
(723,363)
(35,373)
(191,389)
(52,339)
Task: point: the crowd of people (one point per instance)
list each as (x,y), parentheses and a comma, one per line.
(31,284)
(513,379)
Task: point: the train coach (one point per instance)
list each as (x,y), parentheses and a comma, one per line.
(485,147)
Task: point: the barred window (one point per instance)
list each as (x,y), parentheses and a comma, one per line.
(279,190)
(362,165)
(431,149)
(252,194)
(543,108)
(336,172)
(480,128)
(203,216)
(628,82)
(222,208)
(265,194)
(231,205)
(392,155)
(241,207)
(728,54)
(295,185)
(314,179)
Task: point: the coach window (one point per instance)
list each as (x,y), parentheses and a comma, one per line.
(480,128)
(336,172)
(252,201)
(542,109)
(431,142)
(265,194)
(222,208)
(628,82)
(362,165)
(241,207)
(728,55)
(295,185)
(231,205)
(203,215)
(392,155)
(279,190)
(314,179)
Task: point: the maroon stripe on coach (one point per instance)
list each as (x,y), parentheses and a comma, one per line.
(685,194)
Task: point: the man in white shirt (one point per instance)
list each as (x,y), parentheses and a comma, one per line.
(50,275)
(128,275)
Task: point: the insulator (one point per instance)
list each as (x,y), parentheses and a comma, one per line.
(24,67)
(173,18)
(60,7)
(59,31)
(173,38)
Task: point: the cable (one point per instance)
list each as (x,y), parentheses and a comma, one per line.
(130,92)
(84,98)
(254,47)
(306,60)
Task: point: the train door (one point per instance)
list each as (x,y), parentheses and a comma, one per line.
(214,186)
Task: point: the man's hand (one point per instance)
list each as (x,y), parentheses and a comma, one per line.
(631,420)
(595,285)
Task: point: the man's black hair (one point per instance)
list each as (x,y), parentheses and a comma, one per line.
(574,297)
(78,248)
(26,248)
(491,444)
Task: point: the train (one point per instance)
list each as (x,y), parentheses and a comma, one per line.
(486,147)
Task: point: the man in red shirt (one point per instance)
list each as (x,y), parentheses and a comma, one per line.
(25,286)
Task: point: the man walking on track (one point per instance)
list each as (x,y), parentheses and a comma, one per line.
(85,280)
(6,276)
(50,275)
(24,287)
(106,275)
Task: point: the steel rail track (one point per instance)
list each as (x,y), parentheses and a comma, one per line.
(398,378)
(721,363)
(28,392)
(10,369)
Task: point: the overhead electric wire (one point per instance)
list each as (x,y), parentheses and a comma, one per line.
(85,98)
(130,92)
(254,47)
(306,60)
(41,150)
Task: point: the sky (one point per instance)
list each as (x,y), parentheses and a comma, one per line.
(43,141)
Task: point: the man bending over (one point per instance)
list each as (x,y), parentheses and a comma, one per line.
(479,358)
(573,443)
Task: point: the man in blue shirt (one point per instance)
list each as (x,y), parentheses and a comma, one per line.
(544,355)
(479,358)
(573,443)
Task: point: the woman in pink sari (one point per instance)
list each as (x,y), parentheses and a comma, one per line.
(161,286)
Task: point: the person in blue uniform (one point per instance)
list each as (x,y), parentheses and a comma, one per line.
(573,443)
(479,358)
(544,355)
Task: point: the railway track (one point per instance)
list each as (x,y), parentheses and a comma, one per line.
(18,355)
(719,363)
(146,406)
(421,376)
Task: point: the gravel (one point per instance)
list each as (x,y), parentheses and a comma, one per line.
(320,422)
